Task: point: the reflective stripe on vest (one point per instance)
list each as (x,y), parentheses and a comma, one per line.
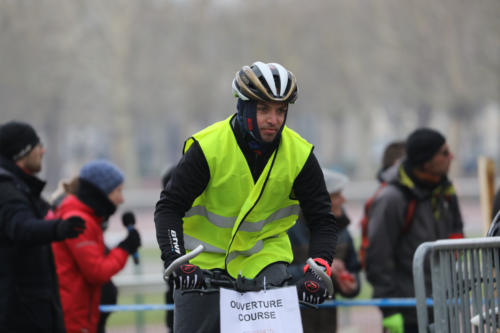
(191,243)
(228,222)
(241,223)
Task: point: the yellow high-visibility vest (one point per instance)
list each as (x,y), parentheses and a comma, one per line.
(243,224)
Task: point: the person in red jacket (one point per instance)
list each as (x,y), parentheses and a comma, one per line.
(81,263)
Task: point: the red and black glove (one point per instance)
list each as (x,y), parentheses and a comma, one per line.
(187,276)
(311,288)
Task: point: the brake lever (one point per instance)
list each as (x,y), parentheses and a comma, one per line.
(181,260)
(319,271)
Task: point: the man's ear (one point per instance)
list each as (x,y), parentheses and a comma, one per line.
(22,161)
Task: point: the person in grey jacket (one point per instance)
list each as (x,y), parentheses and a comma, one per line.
(418,204)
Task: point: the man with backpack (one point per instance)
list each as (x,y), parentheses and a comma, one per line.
(417,204)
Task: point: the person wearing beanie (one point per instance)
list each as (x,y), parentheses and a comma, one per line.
(416,204)
(83,264)
(29,296)
(17,139)
(345,266)
(248,173)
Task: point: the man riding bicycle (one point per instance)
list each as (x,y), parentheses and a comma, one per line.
(237,189)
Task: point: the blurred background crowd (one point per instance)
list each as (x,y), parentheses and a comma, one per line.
(130,80)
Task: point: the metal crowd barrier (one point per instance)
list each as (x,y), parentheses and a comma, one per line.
(464,292)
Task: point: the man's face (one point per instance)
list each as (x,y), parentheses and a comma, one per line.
(270,118)
(440,163)
(32,163)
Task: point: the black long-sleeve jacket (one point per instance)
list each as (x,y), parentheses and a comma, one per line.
(29,295)
(191,176)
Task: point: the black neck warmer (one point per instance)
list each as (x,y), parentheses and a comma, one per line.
(93,197)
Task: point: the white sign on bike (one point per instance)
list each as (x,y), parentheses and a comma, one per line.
(270,311)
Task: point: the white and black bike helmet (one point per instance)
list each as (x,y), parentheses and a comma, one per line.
(265,83)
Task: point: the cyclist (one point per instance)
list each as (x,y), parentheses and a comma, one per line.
(237,190)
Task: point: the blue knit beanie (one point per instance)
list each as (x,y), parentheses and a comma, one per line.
(102,174)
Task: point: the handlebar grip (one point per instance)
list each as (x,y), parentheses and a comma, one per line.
(181,260)
(317,269)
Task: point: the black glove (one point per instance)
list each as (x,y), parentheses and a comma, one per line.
(312,288)
(187,276)
(132,242)
(69,228)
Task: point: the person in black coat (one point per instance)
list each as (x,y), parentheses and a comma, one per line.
(29,296)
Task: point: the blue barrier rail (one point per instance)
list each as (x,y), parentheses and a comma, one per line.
(380,302)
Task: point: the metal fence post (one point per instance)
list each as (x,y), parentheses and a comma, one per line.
(419,283)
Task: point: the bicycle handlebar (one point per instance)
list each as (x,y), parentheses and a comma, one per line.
(188,256)
(317,269)
(181,260)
